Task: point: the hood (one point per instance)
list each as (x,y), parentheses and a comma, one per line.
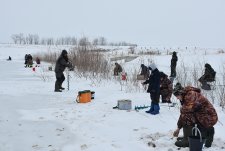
(152,66)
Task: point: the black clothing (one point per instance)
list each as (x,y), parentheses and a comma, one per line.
(173,65)
(61,63)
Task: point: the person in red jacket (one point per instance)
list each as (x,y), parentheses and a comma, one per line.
(195,109)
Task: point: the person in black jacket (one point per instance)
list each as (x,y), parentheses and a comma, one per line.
(61,63)
(173,65)
(209,76)
(153,89)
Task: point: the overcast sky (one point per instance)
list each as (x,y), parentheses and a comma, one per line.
(145,22)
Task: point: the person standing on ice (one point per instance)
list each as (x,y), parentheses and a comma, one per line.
(144,71)
(173,65)
(153,89)
(118,69)
(166,88)
(61,63)
(195,109)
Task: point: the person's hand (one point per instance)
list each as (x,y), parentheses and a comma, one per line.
(176,132)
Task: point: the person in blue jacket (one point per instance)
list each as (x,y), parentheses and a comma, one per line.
(153,89)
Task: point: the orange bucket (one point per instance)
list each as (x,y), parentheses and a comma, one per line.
(84,96)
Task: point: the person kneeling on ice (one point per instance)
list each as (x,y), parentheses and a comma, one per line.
(153,89)
(195,109)
(61,63)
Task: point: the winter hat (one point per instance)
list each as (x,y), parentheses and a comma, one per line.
(152,66)
(174,53)
(64,52)
(207,65)
(178,89)
(142,65)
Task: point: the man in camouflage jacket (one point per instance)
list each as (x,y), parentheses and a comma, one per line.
(196,109)
(166,88)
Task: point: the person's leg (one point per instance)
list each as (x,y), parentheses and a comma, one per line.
(58,82)
(62,78)
(209,137)
(156,109)
(187,131)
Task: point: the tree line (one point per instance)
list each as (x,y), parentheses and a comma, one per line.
(34,39)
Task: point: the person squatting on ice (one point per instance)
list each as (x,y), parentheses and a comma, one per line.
(195,109)
(61,63)
(208,76)
(166,88)
(153,89)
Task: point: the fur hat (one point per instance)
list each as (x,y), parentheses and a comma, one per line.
(178,89)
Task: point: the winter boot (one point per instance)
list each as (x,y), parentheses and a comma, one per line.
(156,109)
(62,88)
(209,137)
(205,86)
(151,108)
(187,131)
(57,90)
(57,87)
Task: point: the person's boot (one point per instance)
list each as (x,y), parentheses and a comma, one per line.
(156,109)
(151,108)
(187,131)
(62,88)
(58,90)
(57,87)
(209,137)
(205,86)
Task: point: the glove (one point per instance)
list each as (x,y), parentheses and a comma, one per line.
(176,132)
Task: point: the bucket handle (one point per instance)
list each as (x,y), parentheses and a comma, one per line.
(196,130)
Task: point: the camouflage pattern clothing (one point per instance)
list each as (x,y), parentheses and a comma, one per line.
(166,88)
(196,109)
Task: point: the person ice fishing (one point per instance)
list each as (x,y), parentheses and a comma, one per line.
(153,89)
(144,71)
(61,63)
(173,65)
(195,109)
(118,69)
(9,59)
(166,88)
(208,76)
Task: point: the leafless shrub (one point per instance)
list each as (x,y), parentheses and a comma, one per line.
(43,75)
(149,52)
